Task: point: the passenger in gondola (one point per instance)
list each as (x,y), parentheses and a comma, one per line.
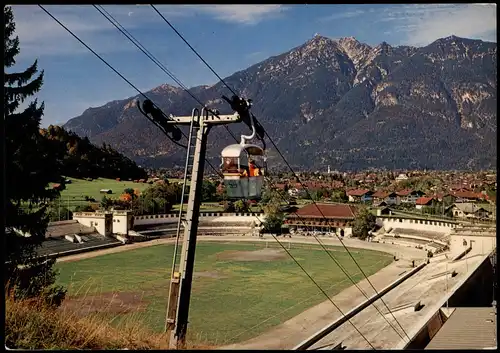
(254,169)
(244,171)
(251,167)
(231,165)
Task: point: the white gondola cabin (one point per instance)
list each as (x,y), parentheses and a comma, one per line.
(243,167)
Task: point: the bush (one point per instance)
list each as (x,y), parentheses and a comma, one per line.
(129,191)
(228,206)
(273,223)
(53,296)
(35,280)
(363,223)
(241,206)
(84,208)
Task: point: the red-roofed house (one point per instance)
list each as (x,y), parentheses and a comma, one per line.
(409,196)
(359,195)
(390,198)
(424,201)
(379,196)
(467,196)
(445,197)
(325,217)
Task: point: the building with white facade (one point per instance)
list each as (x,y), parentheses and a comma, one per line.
(106,222)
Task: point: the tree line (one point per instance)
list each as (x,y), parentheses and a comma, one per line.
(159,198)
(78,158)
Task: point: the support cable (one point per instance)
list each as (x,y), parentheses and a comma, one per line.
(286,162)
(140,92)
(146,52)
(291,169)
(194,50)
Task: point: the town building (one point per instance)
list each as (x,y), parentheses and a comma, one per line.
(467,196)
(390,198)
(102,221)
(107,222)
(383,210)
(468,210)
(337,218)
(409,196)
(359,195)
(423,201)
(401,177)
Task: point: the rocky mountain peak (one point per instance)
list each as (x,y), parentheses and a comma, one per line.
(450,38)
(317,39)
(166,88)
(317,51)
(349,41)
(355,50)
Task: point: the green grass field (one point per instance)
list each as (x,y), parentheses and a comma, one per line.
(75,193)
(233,299)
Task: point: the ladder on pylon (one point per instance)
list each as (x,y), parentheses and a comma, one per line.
(175,276)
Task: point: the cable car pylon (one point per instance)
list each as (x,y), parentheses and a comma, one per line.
(200,124)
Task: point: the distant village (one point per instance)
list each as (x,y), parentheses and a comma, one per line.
(456,194)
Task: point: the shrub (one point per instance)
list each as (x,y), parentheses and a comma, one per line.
(228,206)
(84,208)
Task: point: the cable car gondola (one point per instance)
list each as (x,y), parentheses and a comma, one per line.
(244,167)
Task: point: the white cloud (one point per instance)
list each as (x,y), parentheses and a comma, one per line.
(342,15)
(40,35)
(243,14)
(422,24)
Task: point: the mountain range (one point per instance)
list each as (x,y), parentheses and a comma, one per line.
(336,102)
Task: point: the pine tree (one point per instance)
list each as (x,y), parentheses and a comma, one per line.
(29,169)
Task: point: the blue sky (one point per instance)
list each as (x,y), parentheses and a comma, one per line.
(229,37)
